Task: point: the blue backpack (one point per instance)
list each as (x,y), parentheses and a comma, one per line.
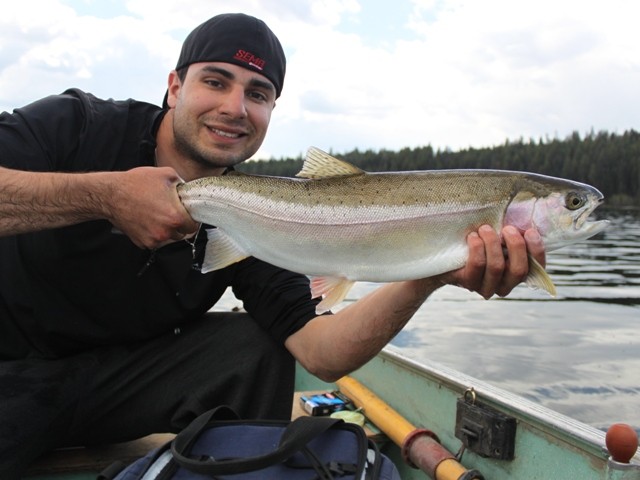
(220,446)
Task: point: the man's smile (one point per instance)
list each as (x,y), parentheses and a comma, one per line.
(233,134)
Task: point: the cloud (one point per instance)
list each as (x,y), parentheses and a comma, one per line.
(472,73)
(441,72)
(58,48)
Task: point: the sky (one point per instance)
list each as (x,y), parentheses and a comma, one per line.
(365,74)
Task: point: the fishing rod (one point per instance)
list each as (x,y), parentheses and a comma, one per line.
(421,448)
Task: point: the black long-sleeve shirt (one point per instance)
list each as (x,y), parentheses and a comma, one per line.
(70,289)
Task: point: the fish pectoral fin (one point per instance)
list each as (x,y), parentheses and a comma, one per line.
(539,278)
(221,251)
(319,164)
(333,290)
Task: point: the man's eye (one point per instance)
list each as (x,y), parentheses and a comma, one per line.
(259,96)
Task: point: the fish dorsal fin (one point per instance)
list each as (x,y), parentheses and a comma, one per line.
(319,164)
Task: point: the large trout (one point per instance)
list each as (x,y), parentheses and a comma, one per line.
(339,224)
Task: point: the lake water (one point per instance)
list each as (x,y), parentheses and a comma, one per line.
(578,353)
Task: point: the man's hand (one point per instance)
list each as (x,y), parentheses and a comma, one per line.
(145,206)
(496,264)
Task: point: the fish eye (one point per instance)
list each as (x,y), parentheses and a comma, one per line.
(574,200)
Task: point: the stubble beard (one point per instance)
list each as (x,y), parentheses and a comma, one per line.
(187,145)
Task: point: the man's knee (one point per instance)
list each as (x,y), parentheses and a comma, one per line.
(240,365)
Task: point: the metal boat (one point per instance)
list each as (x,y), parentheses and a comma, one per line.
(489,433)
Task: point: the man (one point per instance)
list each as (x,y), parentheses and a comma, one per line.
(104,334)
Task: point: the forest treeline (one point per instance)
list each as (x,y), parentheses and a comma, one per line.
(610,162)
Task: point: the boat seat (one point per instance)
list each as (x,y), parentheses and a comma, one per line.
(97,458)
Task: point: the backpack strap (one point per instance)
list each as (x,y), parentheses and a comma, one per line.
(295,436)
(191,432)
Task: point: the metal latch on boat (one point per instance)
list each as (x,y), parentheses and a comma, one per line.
(484,430)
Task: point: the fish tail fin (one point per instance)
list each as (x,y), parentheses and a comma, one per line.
(333,290)
(539,278)
(221,251)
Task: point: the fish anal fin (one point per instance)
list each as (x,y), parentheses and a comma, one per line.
(539,278)
(221,251)
(333,290)
(319,164)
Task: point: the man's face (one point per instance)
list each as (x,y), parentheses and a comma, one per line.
(221,113)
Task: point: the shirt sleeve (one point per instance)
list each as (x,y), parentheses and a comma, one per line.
(41,135)
(75,132)
(279,300)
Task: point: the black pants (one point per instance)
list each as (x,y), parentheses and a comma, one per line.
(120,393)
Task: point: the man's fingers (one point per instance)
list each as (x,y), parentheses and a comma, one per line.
(494,270)
(497,263)
(516,262)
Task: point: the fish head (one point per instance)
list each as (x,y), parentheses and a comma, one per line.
(561,212)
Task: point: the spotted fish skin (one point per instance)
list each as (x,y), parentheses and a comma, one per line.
(340,224)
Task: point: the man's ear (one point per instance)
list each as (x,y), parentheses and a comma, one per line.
(173,89)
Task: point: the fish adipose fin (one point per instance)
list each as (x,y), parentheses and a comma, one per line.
(539,278)
(319,164)
(221,251)
(332,289)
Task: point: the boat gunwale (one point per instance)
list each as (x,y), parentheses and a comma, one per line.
(550,422)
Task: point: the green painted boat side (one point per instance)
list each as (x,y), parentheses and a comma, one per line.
(548,445)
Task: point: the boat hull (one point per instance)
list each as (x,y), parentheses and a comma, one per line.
(548,444)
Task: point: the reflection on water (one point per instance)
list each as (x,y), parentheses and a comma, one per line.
(608,265)
(578,354)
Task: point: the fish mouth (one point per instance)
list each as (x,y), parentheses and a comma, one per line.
(591,227)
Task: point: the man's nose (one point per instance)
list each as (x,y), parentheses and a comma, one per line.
(233,103)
